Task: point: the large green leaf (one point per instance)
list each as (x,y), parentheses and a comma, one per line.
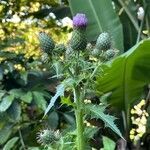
(126,76)
(10,144)
(108,143)
(5,132)
(6,102)
(39,100)
(14,111)
(101,17)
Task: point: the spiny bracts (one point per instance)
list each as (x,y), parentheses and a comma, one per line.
(78,40)
(103,41)
(46,43)
(47,136)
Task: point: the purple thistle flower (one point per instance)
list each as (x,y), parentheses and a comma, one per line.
(80,20)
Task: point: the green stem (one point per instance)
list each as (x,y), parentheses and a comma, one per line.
(134,22)
(21,140)
(140,31)
(79,120)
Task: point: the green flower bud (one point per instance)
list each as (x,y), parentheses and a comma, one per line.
(44,58)
(46,43)
(110,53)
(78,40)
(96,52)
(104,41)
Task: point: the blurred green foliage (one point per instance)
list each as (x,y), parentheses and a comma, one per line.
(22,20)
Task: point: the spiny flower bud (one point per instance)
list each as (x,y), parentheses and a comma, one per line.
(44,58)
(110,53)
(46,137)
(96,52)
(78,40)
(46,43)
(103,41)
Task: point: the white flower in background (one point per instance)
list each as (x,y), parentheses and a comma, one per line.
(28,21)
(52,15)
(140,13)
(58,23)
(67,22)
(15,19)
(3,2)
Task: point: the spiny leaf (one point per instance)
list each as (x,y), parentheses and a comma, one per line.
(59,92)
(97,111)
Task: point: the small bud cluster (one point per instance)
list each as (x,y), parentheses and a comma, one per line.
(139,120)
(103,47)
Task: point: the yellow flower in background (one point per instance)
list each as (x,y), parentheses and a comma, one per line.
(138,118)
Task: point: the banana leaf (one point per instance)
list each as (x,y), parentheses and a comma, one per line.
(126,76)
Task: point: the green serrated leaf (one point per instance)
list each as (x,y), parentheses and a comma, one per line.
(14,111)
(5,132)
(108,143)
(6,102)
(59,92)
(9,145)
(97,111)
(27,97)
(40,100)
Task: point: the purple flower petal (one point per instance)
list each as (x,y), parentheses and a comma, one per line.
(80,20)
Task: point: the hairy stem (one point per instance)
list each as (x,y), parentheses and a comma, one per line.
(79,109)
(79,120)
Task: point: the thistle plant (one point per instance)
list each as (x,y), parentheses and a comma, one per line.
(77,72)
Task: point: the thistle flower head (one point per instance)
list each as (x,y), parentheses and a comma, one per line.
(80,20)
(47,136)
